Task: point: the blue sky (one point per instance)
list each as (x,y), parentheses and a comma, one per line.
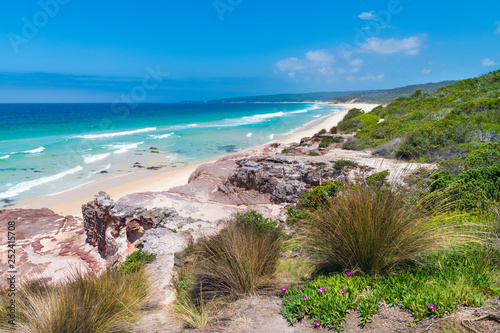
(167,51)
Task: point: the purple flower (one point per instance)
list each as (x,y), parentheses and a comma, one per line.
(321,290)
(305,298)
(283,288)
(300,289)
(317,323)
(290,298)
(348,273)
(326,289)
(301,314)
(432,307)
(342,291)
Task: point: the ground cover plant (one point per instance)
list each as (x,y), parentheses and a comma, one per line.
(458,278)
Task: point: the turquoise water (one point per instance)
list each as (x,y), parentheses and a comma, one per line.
(51,148)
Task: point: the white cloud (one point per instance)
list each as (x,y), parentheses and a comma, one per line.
(498,27)
(320,56)
(426,71)
(356,63)
(367,77)
(488,62)
(409,46)
(315,62)
(368,16)
(290,64)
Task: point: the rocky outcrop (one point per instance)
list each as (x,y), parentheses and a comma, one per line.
(117,229)
(47,246)
(284,178)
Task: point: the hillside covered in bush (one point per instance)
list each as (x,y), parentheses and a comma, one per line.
(450,123)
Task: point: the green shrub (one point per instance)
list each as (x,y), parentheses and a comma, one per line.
(314,153)
(295,214)
(456,279)
(275,145)
(351,144)
(337,139)
(108,302)
(378,178)
(352,113)
(320,195)
(475,156)
(253,218)
(321,132)
(325,142)
(285,151)
(340,164)
(312,199)
(476,189)
(136,260)
(374,230)
(240,259)
(334,130)
(357,119)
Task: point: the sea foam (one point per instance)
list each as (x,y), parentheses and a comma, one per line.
(4,157)
(163,136)
(25,186)
(110,135)
(94,158)
(34,151)
(123,147)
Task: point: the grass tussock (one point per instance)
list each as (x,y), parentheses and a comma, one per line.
(94,303)
(193,313)
(377,229)
(241,259)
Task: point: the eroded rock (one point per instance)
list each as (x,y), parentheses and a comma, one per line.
(48,245)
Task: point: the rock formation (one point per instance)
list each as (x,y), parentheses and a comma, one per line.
(117,229)
(48,245)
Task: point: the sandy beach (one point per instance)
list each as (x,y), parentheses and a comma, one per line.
(70,202)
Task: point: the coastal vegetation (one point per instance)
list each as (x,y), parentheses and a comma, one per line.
(107,302)
(409,246)
(241,259)
(428,242)
(450,123)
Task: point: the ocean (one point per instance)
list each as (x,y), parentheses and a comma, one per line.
(46,149)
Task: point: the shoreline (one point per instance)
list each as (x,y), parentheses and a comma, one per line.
(70,202)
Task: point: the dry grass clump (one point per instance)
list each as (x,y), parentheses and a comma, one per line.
(377,229)
(241,259)
(94,303)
